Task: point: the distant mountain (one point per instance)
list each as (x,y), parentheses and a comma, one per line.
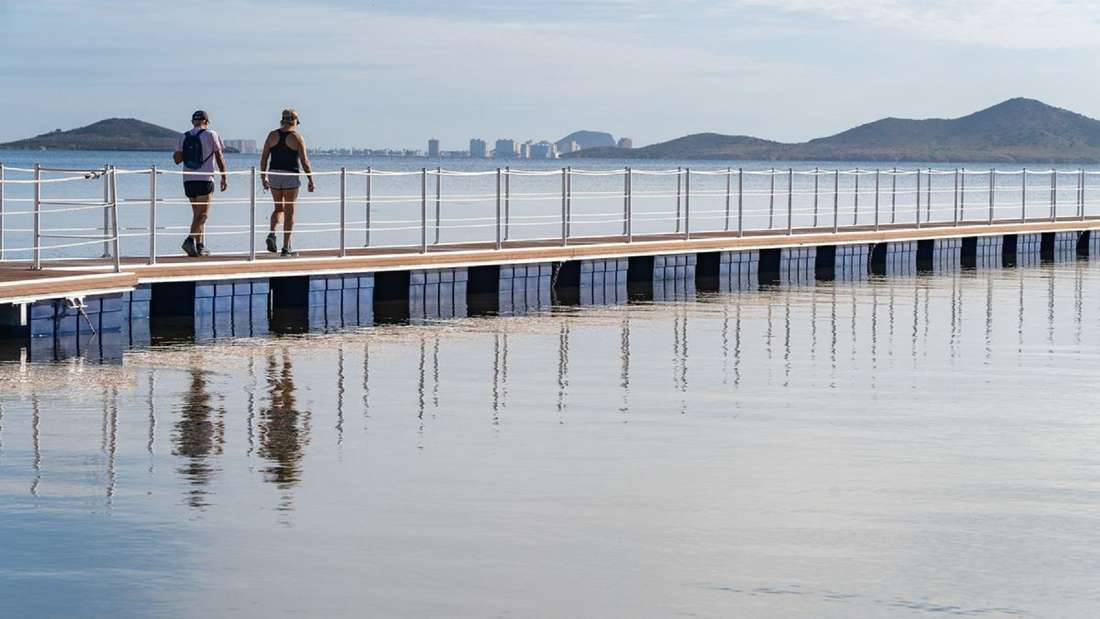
(696,146)
(1018,130)
(110,134)
(586,139)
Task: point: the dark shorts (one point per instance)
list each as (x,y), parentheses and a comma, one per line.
(196,189)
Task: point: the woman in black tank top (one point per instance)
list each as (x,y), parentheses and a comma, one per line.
(283,157)
(285,149)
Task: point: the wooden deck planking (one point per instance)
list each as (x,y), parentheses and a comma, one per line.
(22,283)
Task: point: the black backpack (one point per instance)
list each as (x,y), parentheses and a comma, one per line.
(192,150)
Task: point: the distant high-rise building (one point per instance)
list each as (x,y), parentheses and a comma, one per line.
(433,147)
(626,143)
(542,150)
(247,147)
(505,149)
(525,150)
(478,149)
(573,146)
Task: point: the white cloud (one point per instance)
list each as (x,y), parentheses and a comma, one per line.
(1007,24)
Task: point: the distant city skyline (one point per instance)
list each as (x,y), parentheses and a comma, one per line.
(503,148)
(394,71)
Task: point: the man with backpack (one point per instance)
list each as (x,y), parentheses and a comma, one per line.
(198,150)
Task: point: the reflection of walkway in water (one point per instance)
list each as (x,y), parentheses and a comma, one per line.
(284,430)
(881,326)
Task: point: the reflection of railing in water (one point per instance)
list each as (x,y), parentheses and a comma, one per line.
(896,320)
(691,202)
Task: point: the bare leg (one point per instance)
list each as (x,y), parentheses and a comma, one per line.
(276,219)
(288,225)
(279,197)
(200,210)
(284,211)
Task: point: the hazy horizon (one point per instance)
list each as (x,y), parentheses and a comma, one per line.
(396,73)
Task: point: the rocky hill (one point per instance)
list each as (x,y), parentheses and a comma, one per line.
(1018,130)
(586,139)
(110,134)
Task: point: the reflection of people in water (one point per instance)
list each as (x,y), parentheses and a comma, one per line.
(199,434)
(284,430)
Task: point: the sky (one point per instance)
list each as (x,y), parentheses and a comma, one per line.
(393,73)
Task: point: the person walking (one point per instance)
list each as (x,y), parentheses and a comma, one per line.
(198,150)
(285,148)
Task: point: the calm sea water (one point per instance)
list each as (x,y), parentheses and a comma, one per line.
(904,447)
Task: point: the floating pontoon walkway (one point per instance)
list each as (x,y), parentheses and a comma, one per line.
(408,251)
(80,277)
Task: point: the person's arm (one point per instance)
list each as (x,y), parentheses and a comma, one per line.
(177,157)
(303,156)
(265,155)
(219,159)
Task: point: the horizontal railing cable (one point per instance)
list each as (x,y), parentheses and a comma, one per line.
(658,202)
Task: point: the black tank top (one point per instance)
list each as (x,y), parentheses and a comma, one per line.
(284,157)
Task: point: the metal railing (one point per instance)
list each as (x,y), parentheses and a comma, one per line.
(434,209)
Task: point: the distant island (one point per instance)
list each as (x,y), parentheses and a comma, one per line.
(586,139)
(1017,130)
(110,134)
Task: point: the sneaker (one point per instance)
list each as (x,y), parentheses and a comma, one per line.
(190,248)
(288,253)
(271,246)
(202,250)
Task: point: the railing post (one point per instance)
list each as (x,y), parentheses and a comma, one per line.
(629,205)
(1053,193)
(343,211)
(817,177)
(790,201)
(115,248)
(679,180)
(569,199)
(498,245)
(771,199)
(855,204)
(955,206)
(687,203)
(423,210)
(918,198)
(992,192)
(894,196)
(153,214)
(729,186)
(1080,187)
(564,213)
(1082,207)
(878,176)
(740,202)
(106,213)
(507,202)
(928,198)
(836,201)
(438,198)
(2,211)
(626,201)
(1023,195)
(252,214)
(370,184)
(37,246)
(962,195)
